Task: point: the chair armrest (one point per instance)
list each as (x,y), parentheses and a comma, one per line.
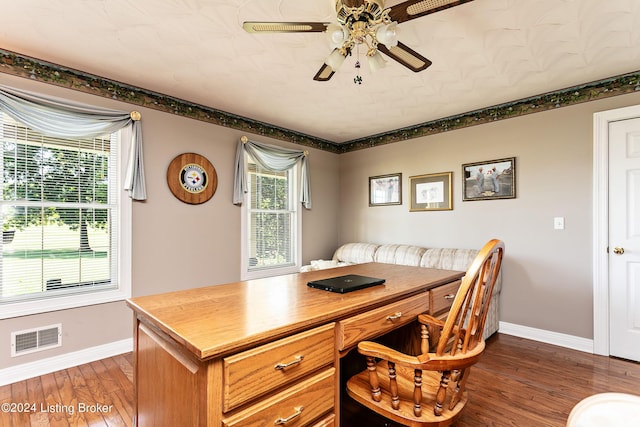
(428,361)
(429,320)
(369,348)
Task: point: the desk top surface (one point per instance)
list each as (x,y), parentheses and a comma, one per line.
(219,320)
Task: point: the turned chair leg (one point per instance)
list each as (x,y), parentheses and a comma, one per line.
(373,379)
(417,393)
(393,386)
(442,392)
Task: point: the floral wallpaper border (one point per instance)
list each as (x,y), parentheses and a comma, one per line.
(27,67)
(614,86)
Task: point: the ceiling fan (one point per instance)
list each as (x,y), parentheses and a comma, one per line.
(363,22)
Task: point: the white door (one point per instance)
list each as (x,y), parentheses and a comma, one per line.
(624,239)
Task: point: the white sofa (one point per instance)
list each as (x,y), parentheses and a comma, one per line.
(445,258)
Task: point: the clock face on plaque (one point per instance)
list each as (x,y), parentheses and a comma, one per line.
(192,178)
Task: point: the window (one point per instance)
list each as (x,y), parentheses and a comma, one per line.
(271,223)
(65,228)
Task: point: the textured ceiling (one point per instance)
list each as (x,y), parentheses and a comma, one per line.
(484,53)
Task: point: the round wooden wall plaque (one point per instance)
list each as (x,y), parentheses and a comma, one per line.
(192,178)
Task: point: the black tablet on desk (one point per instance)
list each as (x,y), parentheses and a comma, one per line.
(344,284)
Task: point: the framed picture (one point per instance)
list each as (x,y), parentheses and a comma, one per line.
(431,192)
(385,190)
(488,180)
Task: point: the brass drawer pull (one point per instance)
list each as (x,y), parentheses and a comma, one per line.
(281,366)
(281,421)
(450,296)
(395,316)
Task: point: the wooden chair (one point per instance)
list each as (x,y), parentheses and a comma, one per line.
(398,386)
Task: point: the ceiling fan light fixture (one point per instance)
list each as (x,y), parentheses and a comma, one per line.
(363,24)
(387,34)
(335,59)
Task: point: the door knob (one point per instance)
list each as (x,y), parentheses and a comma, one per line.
(618,251)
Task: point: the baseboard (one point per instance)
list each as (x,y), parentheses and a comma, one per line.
(549,337)
(45,366)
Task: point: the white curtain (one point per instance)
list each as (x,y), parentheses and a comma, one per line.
(272,158)
(65,119)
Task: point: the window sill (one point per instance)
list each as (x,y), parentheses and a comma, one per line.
(270,272)
(24,308)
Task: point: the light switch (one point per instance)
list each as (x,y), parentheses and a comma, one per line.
(558,223)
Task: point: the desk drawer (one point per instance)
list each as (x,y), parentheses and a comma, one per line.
(442,297)
(296,406)
(328,421)
(257,371)
(380,321)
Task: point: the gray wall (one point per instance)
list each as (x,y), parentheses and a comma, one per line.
(547,273)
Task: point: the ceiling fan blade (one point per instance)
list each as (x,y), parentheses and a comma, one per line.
(284,27)
(406,56)
(412,9)
(324,73)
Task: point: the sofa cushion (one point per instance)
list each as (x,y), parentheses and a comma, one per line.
(321,264)
(448,259)
(399,254)
(355,253)
(454,259)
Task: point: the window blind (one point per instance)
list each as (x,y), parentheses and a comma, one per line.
(59,213)
(272,218)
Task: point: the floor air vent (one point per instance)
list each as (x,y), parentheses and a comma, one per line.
(38,339)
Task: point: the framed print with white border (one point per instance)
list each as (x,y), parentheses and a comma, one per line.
(431,192)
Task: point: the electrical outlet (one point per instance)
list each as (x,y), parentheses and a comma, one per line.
(558,223)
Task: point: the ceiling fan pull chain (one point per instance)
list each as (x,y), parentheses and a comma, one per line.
(358,78)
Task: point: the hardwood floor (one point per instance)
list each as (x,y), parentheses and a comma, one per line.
(518,383)
(521,382)
(95,394)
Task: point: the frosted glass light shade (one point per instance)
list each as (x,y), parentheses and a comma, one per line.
(336,35)
(376,62)
(388,34)
(335,60)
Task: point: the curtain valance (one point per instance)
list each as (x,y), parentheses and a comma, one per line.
(271,158)
(65,119)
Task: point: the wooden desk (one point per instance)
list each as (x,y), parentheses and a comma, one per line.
(253,352)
